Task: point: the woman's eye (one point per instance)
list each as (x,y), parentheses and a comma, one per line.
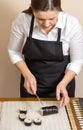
(41,20)
(51,18)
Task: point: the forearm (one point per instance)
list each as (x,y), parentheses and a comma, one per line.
(61,87)
(69,75)
(21,65)
(29,79)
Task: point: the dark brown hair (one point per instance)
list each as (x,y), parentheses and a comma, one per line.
(43,5)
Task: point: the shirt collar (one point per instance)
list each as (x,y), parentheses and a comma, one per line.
(35,23)
(60,22)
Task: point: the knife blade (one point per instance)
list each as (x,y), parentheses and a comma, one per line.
(39,100)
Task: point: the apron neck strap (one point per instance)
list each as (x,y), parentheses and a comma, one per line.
(31,26)
(59,34)
(31,30)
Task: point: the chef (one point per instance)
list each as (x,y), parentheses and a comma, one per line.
(46,45)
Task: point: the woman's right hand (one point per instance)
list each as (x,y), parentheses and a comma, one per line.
(30,84)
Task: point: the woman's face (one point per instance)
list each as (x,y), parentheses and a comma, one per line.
(46,19)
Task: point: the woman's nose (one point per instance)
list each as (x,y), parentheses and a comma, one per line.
(46,23)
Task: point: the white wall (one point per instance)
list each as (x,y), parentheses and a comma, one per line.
(9,75)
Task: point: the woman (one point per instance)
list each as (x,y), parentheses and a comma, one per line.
(51,42)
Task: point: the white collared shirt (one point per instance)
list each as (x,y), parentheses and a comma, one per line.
(71,37)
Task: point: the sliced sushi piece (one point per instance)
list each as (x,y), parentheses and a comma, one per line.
(23,110)
(22,116)
(28,121)
(48,110)
(37,121)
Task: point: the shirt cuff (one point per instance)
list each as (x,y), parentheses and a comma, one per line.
(76,67)
(15,56)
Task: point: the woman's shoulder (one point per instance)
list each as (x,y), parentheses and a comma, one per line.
(22,18)
(21,23)
(69,18)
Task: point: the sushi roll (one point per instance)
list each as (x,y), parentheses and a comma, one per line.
(37,121)
(22,116)
(23,110)
(28,121)
(48,110)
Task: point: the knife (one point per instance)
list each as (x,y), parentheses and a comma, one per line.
(39,100)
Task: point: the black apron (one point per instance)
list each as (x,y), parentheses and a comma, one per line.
(46,62)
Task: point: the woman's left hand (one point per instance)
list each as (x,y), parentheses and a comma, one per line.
(61,89)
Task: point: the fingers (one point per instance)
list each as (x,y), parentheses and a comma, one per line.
(29,90)
(64,101)
(27,87)
(65,98)
(31,86)
(58,94)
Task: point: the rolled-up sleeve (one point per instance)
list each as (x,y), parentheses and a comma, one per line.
(16,42)
(76,48)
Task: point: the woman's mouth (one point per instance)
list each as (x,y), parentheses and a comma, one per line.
(47,27)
